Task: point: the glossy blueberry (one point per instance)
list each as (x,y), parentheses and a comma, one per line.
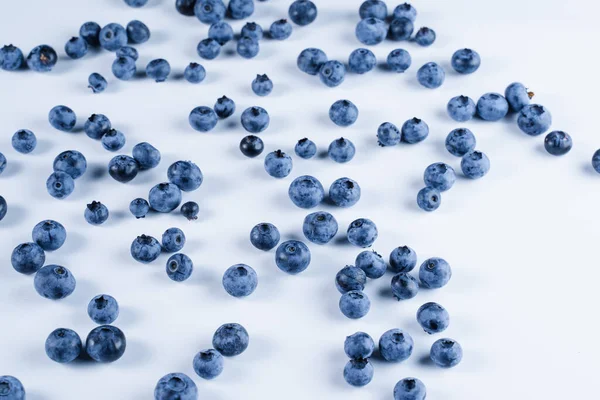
(534,119)
(145,249)
(112,37)
(431,75)
(461,108)
(302,12)
(127,51)
(371,263)
(42,58)
(396,345)
(264,236)
(306,191)
(350,278)
(278,164)
(517,96)
(11,388)
(400,29)
(90,32)
(439,176)
(358,372)
(310,60)
(343,113)
(359,346)
(224,107)
(558,143)
(460,142)
(11,58)
(305,148)
(3,208)
(425,37)
(179,267)
(194,73)
(405,11)
(124,68)
(252,30)
(433,318)
(388,134)
(344,192)
(146,155)
(404,286)
(492,107)
(71,162)
(186,175)
(475,165)
(466,61)
(332,73)
(139,207)
(371,31)
(28,258)
(137,32)
(262,85)
(251,146)
(209,11)
(240,280)
(341,150)
(208,364)
(399,60)
(231,339)
(158,69)
(355,304)
(105,343)
(403,259)
(292,257)
(136,3)
(248,47)
(596,161)
(320,227)
(76,48)
(190,210)
(240,9)
(373,9)
(185,7)
(446,353)
(24,141)
(62,118)
(96,213)
(60,185)
(362,232)
(2,163)
(429,199)
(255,119)
(103,309)
(414,131)
(175,386)
(221,31)
(123,168)
(410,389)
(361,61)
(62,345)
(97,83)
(280,29)
(434,273)
(203,119)
(54,282)
(208,49)
(173,240)
(49,235)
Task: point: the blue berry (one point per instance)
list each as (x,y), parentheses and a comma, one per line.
(446,353)
(466,61)
(414,131)
(221,31)
(173,240)
(54,282)
(255,119)
(332,73)
(410,389)
(186,175)
(403,259)
(396,345)
(240,9)
(388,134)
(475,165)
(139,207)
(371,263)
(558,143)
(425,37)
(306,191)
(231,339)
(62,345)
(355,304)
(224,107)
(96,213)
(264,236)
(350,278)
(343,113)
(596,161)
(190,210)
(460,142)
(252,30)
(123,168)
(344,192)
(175,386)
(362,232)
(492,107)
(105,343)
(399,60)
(185,7)
(433,318)
(209,11)
(302,12)
(103,309)
(179,267)
(359,346)
(3,208)
(319,227)
(358,372)
(435,273)
(158,69)
(461,108)
(112,37)
(534,119)
(76,48)
(251,146)
(49,235)
(371,31)
(305,148)
(28,258)
(310,60)
(97,83)
(404,286)
(42,58)
(278,164)
(341,150)
(292,257)
(248,47)
(240,280)
(194,73)
(124,68)
(517,96)
(113,140)
(280,29)
(429,199)
(146,155)
(361,61)
(439,176)
(62,118)
(431,75)
(137,32)
(71,162)
(12,388)
(11,58)
(145,249)
(400,29)
(203,119)
(60,185)
(373,9)
(208,364)
(208,49)
(2,163)
(405,11)
(127,51)
(24,141)
(262,85)
(90,32)
(136,3)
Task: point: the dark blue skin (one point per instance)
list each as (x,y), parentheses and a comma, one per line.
(139,207)
(400,29)
(431,75)
(176,386)
(358,372)
(90,32)
(558,143)
(302,12)
(388,134)
(124,68)
(280,29)
(350,278)
(251,146)
(136,3)
(54,282)
(2,163)
(305,148)
(596,161)
(128,51)
(359,346)
(343,113)
(371,263)
(96,213)
(466,61)
(24,141)
(240,9)
(248,47)
(429,199)
(414,131)
(446,353)
(425,37)
(76,48)
(179,267)
(405,11)
(399,60)
(319,227)
(240,280)
(439,176)
(185,7)
(255,119)
(262,85)
(194,73)
(123,168)
(404,286)
(60,185)
(517,96)
(62,118)
(63,345)
(292,257)
(534,119)
(433,318)
(306,192)
(186,175)
(209,11)
(146,155)
(373,9)
(344,192)
(224,107)
(137,32)
(105,343)
(72,162)
(3,208)
(265,236)
(49,235)
(208,364)
(410,389)
(355,304)
(11,388)
(435,273)
(361,61)
(492,107)
(341,150)
(103,309)
(27,258)
(362,232)
(173,240)
(252,30)
(460,142)
(42,58)
(221,31)
(461,108)
(403,259)
(190,210)
(278,164)
(475,165)
(112,37)
(231,339)
(158,69)
(310,60)
(332,73)
(396,345)
(97,83)
(371,31)
(203,119)
(145,249)
(11,58)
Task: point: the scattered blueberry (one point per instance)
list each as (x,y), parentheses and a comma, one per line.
(461,108)
(433,318)
(90,32)
(103,309)
(224,107)
(310,60)
(158,69)
(185,7)
(208,364)
(42,58)
(343,113)
(405,11)
(240,9)
(359,346)
(431,75)
(355,304)
(139,207)
(332,73)
(492,107)
(344,192)
(361,61)
(123,168)
(319,227)
(362,232)
(255,119)
(208,49)
(404,286)
(425,37)
(435,273)
(54,282)
(49,235)
(262,85)
(429,199)
(251,146)
(446,353)
(302,12)
(124,68)
(466,61)
(388,134)
(517,96)
(146,155)
(252,30)
(305,148)
(350,278)
(24,141)
(71,162)
(194,73)
(460,142)
(439,176)
(371,263)
(414,130)
(12,388)
(558,143)
(62,345)
(60,185)
(209,11)
(137,32)
(96,213)
(396,345)
(306,191)
(403,259)
(341,150)
(231,339)
(373,9)
(399,60)
(190,210)
(136,3)
(475,165)
(400,29)
(248,47)
(113,140)
(145,249)
(179,267)
(3,208)
(173,240)
(2,163)
(28,258)
(534,119)
(240,280)
(264,236)
(596,161)
(278,164)
(113,37)
(292,257)
(371,31)
(203,119)
(11,58)
(280,29)
(186,175)
(62,118)
(105,343)
(221,31)
(358,372)
(175,386)
(410,389)
(128,51)
(76,48)
(97,83)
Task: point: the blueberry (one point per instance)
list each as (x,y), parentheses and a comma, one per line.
(359,346)
(208,364)
(410,389)
(343,113)
(190,210)
(350,278)
(76,48)
(446,353)
(11,58)
(123,168)
(158,69)
(460,142)
(280,29)
(320,227)
(262,85)
(128,51)
(2,163)
(62,118)
(71,162)
(224,107)
(475,165)
(433,318)
(306,191)
(221,31)
(435,273)
(466,61)
(240,280)
(139,207)
(461,108)
(240,9)
(96,213)
(54,282)
(492,107)
(208,49)
(231,339)
(255,119)
(388,134)
(341,150)
(332,73)
(24,141)
(145,249)
(264,236)
(370,31)
(362,232)
(179,267)
(146,155)
(248,47)
(439,176)
(185,7)
(302,12)
(42,58)
(278,164)
(405,11)
(49,235)
(425,37)
(429,199)
(105,343)
(400,29)
(173,240)
(399,60)
(194,73)
(60,185)
(305,148)
(3,208)
(176,386)
(517,96)
(63,345)
(252,30)
(355,304)
(137,32)
(344,192)
(373,9)
(310,60)
(251,146)
(361,61)
(90,32)
(97,83)
(404,286)
(203,119)
(414,131)
(358,372)
(12,388)
(28,258)
(396,345)
(431,75)
(596,161)
(558,143)
(186,175)
(209,11)
(403,259)
(136,3)
(534,119)
(124,68)
(292,257)
(371,263)
(112,37)
(103,309)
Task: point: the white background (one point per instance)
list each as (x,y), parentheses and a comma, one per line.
(522,242)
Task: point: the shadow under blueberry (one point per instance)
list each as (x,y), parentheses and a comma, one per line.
(425,361)
(12,169)
(15,214)
(589,170)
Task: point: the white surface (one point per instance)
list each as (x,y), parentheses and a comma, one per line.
(522,241)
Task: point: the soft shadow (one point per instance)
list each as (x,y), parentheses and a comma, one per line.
(137,354)
(342,241)
(589,170)
(386,292)
(43,146)
(15,214)
(425,361)
(12,169)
